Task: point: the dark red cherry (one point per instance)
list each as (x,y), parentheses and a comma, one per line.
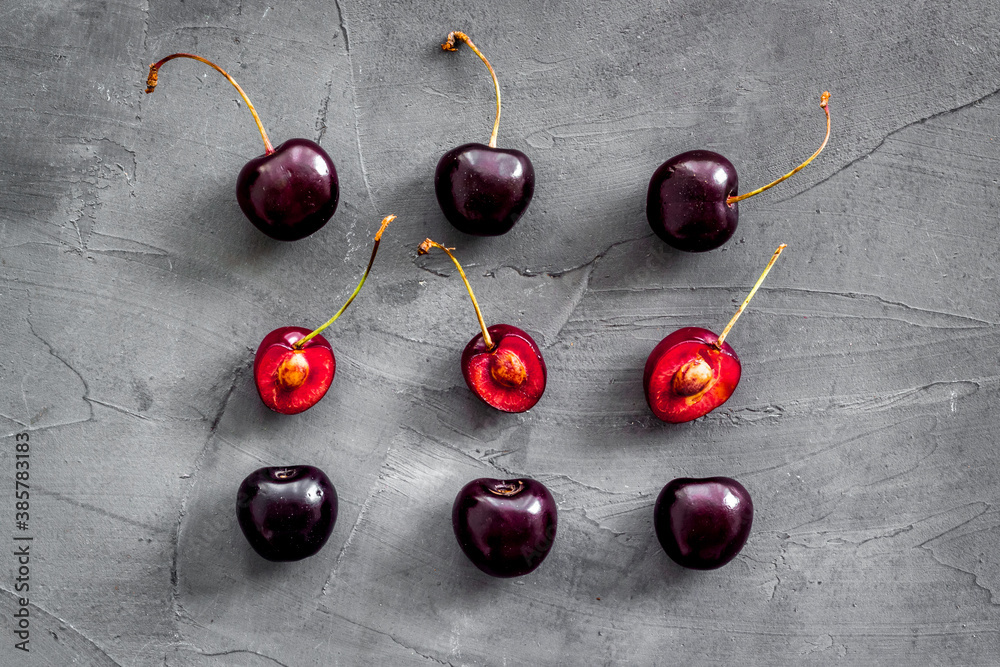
(505,527)
(692,198)
(294,367)
(482,190)
(502,365)
(291,380)
(703,523)
(511,375)
(686,203)
(290,191)
(287,513)
(687,376)
(692,371)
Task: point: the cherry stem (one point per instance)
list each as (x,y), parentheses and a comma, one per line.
(823,102)
(725,332)
(450,46)
(299,344)
(424,249)
(154,71)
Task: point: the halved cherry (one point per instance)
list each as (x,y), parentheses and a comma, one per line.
(502,365)
(686,376)
(294,366)
(292,379)
(511,376)
(692,371)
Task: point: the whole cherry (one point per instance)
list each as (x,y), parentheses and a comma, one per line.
(692,202)
(703,523)
(505,527)
(294,367)
(692,371)
(290,191)
(483,190)
(502,365)
(286,513)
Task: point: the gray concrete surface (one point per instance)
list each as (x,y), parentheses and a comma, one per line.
(134,294)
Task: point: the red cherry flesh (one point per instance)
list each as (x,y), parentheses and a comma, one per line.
(290,380)
(687,377)
(511,376)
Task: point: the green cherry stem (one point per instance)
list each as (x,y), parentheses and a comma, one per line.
(299,344)
(450,46)
(154,71)
(424,248)
(767,269)
(823,102)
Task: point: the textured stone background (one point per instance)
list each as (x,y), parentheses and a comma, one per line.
(134,294)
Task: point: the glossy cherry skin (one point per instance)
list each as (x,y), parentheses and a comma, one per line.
(703,523)
(677,352)
(290,193)
(482,190)
(511,376)
(505,527)
(287,513)
(290,381)
(686,202)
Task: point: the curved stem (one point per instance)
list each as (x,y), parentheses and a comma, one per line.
(154,71)
(424,249)
(767,269)
(450,46)
(299,344)
(823,100)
